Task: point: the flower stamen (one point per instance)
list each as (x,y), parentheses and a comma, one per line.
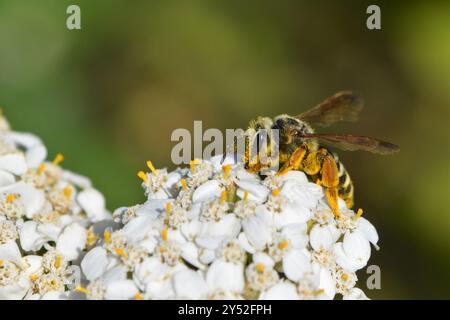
(151,167)
(142,175)
(276,192)
(58,159)
(184,184)
(82,290)
(107,236)
(41,169)
(223,197)
(10,198)
(260,267)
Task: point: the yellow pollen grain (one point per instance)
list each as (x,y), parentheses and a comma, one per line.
(58,159)
(344,277)
(142,175)
(107,236)
(283,245)
(82,290)
(276,192)
(319,291)
(67,191)
(41,169)
(57,262)
(359,213)
(226,170)
(193,163)
(164,234)
(33,277)
(138,296)
(10,198)
(121,253)
(151,167)
(245,195)
(91,237)
(168,208)
(183,184)
(223,197)
(260,267)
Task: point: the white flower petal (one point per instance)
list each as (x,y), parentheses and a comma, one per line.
(30,238)
(72,241)
(93,203)
(6,178)
(355,294)
(226,276)
(368,230)
(320,237)
(120,290)
(295,264)
(281,291)
(31,198)
(207,191)
(9,251)
(94,263)
(189,284)
(256,191)
(14,163)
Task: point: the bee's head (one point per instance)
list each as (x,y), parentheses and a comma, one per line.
(290,129)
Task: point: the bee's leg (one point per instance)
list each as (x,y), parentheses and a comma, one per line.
(294,162)
(330,180)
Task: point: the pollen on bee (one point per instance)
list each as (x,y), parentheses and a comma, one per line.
(58,159)
(151,167)
(142,175)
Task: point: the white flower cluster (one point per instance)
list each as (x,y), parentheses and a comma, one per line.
(216,231)
(48,217)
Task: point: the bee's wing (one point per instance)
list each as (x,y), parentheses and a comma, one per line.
(354,143)
(343,106)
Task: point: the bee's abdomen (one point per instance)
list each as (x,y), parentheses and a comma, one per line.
(345,188)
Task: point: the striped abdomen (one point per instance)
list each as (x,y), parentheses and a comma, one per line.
(345,188)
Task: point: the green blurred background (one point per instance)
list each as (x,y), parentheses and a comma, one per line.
(109,96)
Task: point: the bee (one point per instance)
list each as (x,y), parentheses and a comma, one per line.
(300,148)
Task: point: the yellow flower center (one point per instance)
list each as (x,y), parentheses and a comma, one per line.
(260,267)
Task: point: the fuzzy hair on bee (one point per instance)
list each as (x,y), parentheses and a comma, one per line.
(297,147)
